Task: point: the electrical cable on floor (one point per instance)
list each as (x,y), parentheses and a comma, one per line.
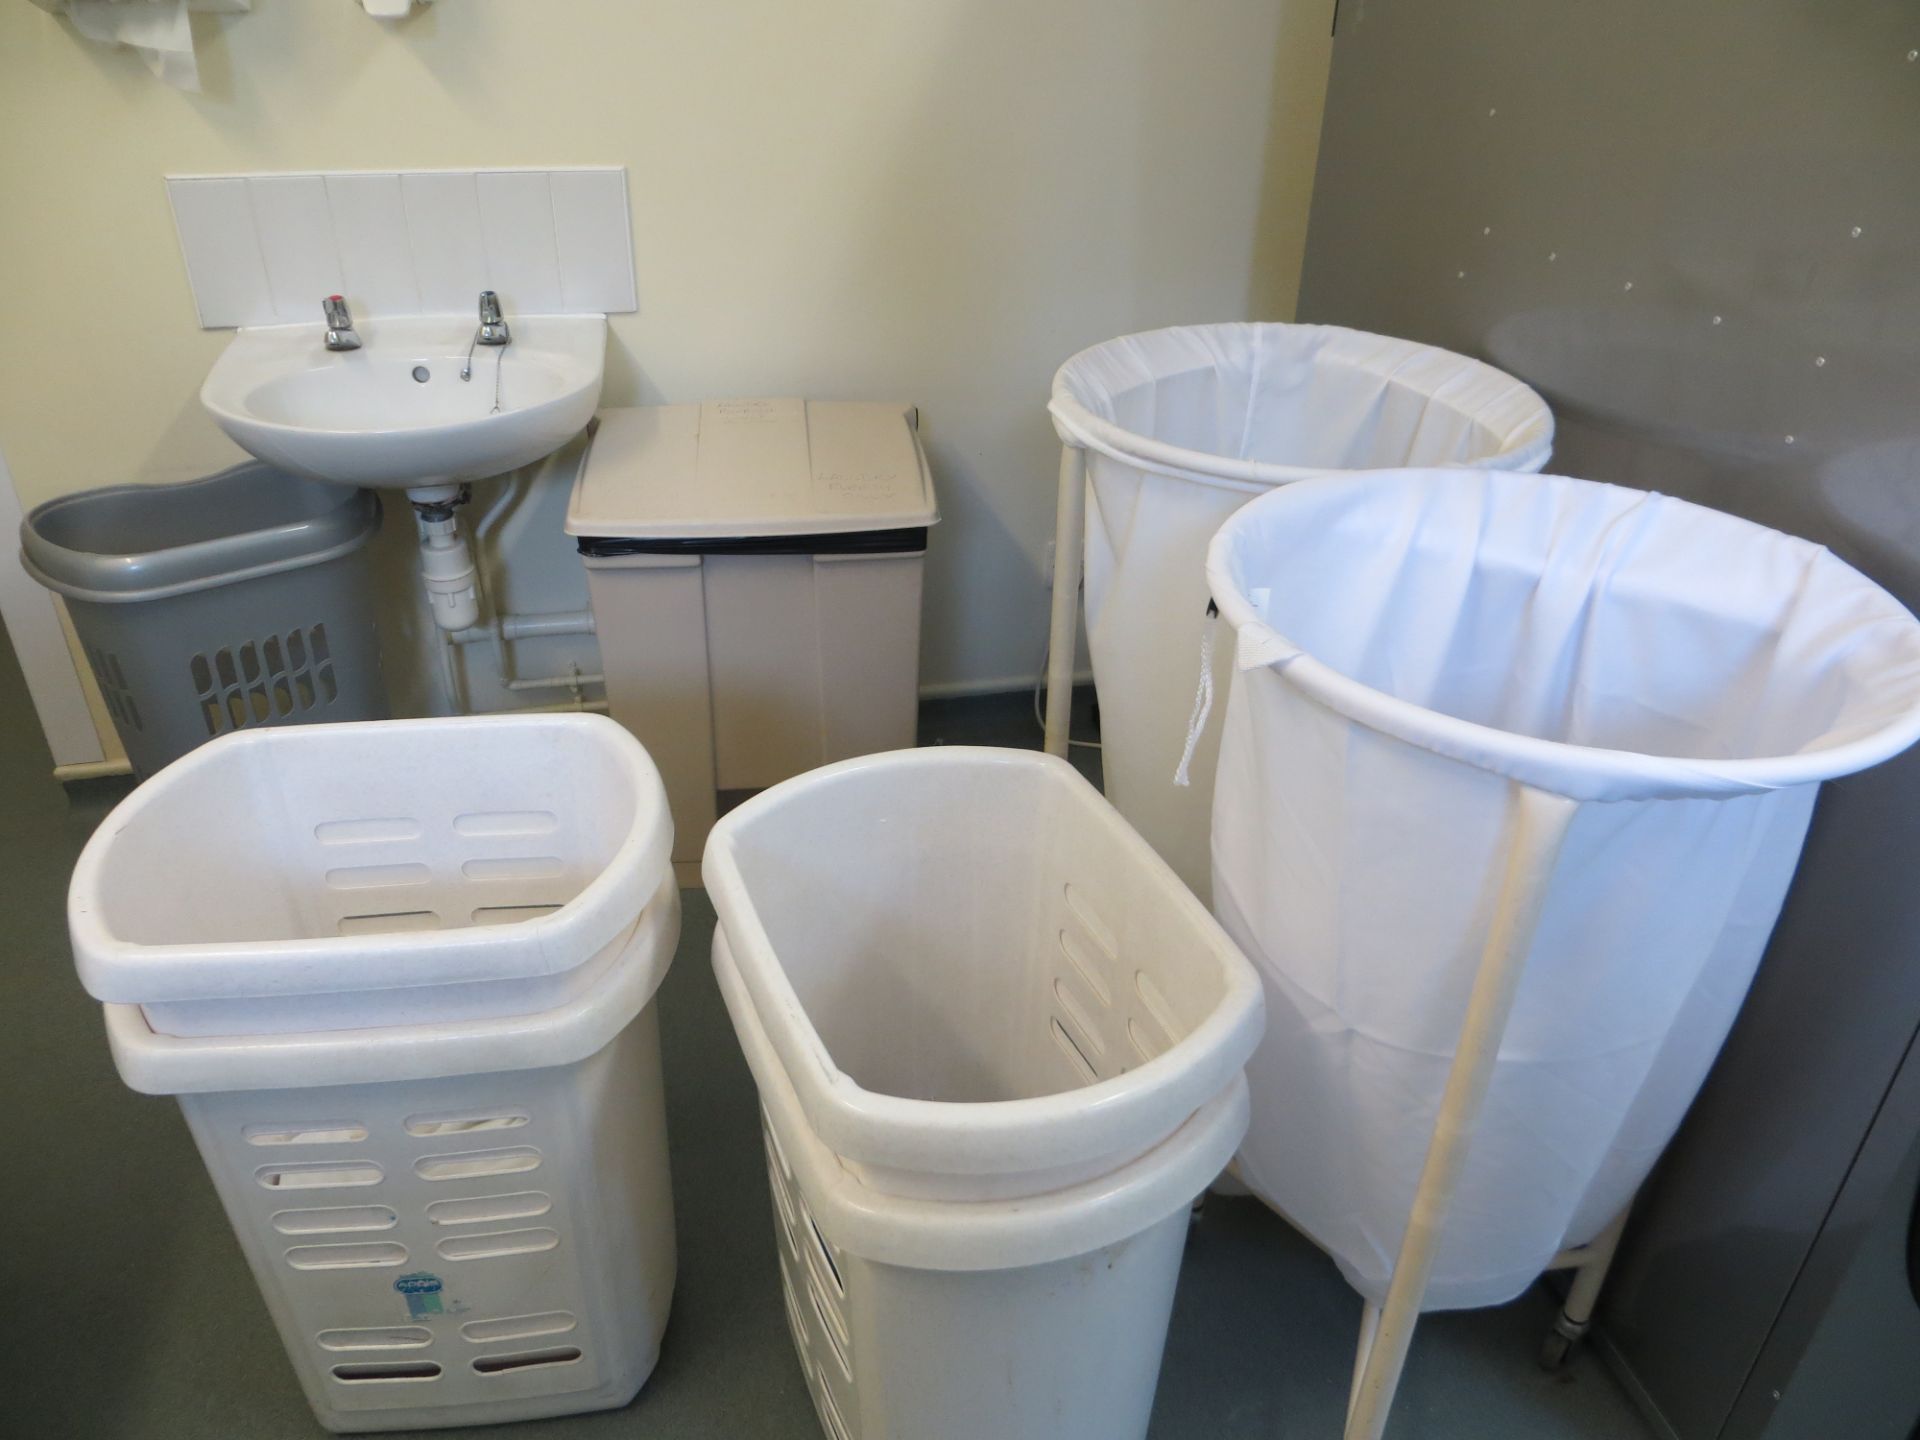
(1039,691)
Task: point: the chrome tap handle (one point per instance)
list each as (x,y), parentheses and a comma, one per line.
(340,333)
(493,326)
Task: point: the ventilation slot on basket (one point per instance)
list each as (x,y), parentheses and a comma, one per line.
(829,1408)
(258,682)
(1084,966)
(515,867)
(782,1202)
(1076,1011)
(335,1219)
(390,922)
(347,1257)
(1143,1043)
(374,877)
(1090,921)
(1157,1006)
(510,914)
(1076,1057)
(824,1251)
(794,1322)
(476,1164)
(318,1175)
(464,1122)
(113,687)
(518,1327)
(334,1132)
(365,832)
(497,1245)
(833,1327)
(506,822)
(530,1360)
(376,1337)
(387,1370)
(481,1209)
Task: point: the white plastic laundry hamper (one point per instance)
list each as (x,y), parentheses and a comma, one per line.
(1515,774)
(998,1047)
(1166,434)
(400,976)
(377,873)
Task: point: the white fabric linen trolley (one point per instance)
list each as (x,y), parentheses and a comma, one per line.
(400,976)
(1165,435)
(1515,774)
(998,1047)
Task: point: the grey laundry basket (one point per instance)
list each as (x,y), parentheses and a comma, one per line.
(235,601)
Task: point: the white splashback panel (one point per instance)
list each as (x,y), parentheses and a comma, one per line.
(266,249)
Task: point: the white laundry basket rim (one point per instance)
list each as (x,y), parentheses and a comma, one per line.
(119,970)
(1580,772)
(947,1234)
(1509,410)
(1002,1137)
(157,1064)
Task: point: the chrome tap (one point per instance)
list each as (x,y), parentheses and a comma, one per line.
(340,333)
(493,329)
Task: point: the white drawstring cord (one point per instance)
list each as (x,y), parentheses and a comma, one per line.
(1203,698)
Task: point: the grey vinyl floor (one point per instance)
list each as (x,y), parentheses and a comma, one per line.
(127,1311)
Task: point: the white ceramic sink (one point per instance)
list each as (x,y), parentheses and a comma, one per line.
(396,412)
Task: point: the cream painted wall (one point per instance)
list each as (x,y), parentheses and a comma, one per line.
(930,200)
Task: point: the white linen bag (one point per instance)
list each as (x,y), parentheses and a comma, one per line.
(1184,426)
(1413,647)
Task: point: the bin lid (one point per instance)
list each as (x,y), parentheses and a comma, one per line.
(738,468)
(128,543)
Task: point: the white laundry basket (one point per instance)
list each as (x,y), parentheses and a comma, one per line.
(452,1224)
(401,977)
(381,873)
(1175,430)
(998,1048)
(1535,752)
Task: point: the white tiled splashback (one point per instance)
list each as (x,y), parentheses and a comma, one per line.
(266,249)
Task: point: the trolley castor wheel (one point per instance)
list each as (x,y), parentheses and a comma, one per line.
(1561,1339)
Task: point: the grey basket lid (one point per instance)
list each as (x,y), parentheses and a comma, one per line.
(145,542)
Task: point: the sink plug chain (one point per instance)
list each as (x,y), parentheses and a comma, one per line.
(499,359)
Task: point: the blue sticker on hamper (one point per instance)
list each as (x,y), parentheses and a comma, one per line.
(422,1289)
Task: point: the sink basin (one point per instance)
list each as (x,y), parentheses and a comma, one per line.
(395,413)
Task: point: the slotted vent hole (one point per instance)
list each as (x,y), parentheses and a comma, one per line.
(376,1370)
(464,1122)
(830,1409)
(526,1360)
(1075,1056)
(1076,1012)
(330,1132)
(830,1326)
(1096,928)
(1084,966)
(826,1252)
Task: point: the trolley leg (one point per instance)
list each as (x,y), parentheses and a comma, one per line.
(1069,526)
(1570,1325)
(1369,1331)
(1540,824)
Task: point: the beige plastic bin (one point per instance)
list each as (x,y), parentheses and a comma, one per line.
(755,571)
